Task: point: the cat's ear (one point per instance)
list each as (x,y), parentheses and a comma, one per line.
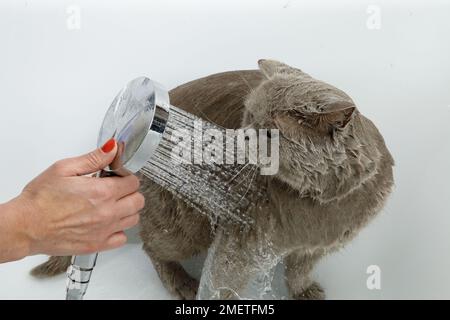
(336,115)
(272,67)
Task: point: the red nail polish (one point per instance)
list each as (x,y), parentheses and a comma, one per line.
(109,145)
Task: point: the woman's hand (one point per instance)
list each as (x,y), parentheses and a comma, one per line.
(64,212)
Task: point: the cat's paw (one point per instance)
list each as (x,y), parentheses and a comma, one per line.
(186,289)
(313,292)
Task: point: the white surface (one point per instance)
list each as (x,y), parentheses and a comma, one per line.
(56,85)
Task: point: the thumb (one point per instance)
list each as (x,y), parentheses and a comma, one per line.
(89,163)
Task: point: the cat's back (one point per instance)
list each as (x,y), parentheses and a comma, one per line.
(217,98)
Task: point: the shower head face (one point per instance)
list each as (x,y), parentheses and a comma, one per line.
(136,119)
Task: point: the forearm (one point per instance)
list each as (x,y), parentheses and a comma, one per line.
(14,242)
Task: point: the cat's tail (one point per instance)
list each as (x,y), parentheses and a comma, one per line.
(54,266)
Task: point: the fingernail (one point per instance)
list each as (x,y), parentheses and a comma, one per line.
(109,145)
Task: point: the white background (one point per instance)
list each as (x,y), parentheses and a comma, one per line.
(56,84)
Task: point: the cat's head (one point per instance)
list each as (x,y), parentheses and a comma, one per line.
(313,119)
(298,104)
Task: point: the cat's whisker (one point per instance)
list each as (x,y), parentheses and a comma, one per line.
(250,172)
(237,174)
(255,170)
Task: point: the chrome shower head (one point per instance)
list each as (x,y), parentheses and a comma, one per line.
(137,119)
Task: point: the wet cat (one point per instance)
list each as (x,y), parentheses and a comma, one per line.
(335,175)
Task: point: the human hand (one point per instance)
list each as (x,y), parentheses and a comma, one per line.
(64,212)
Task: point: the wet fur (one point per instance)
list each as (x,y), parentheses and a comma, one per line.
(335,175)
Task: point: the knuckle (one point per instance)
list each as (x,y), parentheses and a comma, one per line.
(133,220)
(93,219)
(58,166)
(108,187)
(93,160)
(99,236)
(90,247)
(105,214)
(118,240)
(136,182)
(102,190)
(130,183)
(121,239)
(102,236)
(140,201)
(32,190)
(100,217)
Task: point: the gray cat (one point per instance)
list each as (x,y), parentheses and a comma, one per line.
(335,176)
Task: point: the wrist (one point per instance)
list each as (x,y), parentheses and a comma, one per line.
(14,222)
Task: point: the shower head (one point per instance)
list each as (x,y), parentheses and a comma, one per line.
(136,119)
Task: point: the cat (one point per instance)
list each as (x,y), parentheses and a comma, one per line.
(335,174)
